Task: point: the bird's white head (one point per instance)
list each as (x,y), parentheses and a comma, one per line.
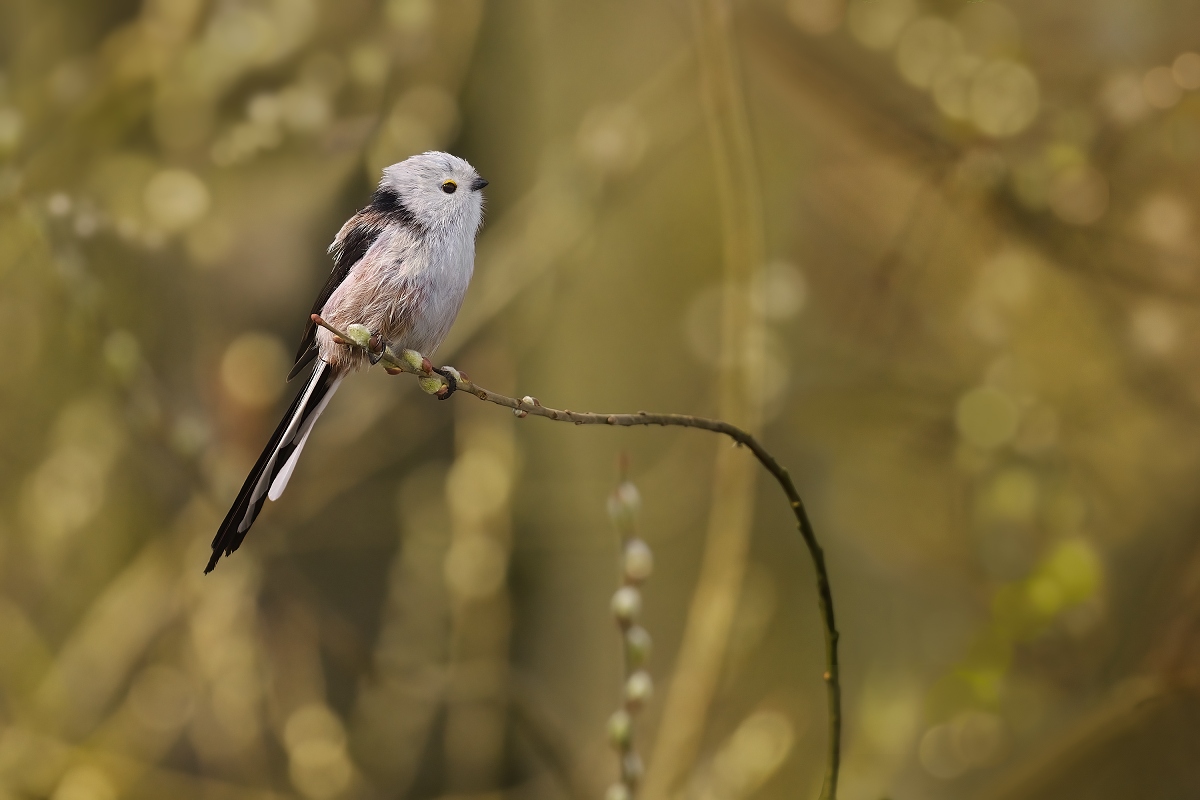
(442,192)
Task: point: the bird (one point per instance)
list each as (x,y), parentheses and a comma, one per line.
(401,267)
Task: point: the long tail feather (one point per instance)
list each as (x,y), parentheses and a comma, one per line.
(274,467)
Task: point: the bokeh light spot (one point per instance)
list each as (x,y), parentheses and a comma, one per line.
(316,743)
(924,46)
(478,485)
(176,199)
(85,783)
(1160,89)
(1004,98)
(1045,596)
(11,126)
(1077,568)
(1013,495)
(1122,99)
(877,24)
(410,16)
(305,109)
(816,17)
(939,755)
(1165,220)
(122,353)
(162,699)
(314,721)
(978,737)
(613,138)
(1079,195)
(254,368)
(779,291)
(951,85)
(1154,329)
(989,30)
(1186,71)
(753,753)
(368,65)
(475,566)
(986,417)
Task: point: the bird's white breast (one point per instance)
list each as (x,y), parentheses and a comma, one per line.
(407,287)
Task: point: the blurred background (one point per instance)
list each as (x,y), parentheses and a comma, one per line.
(943,255)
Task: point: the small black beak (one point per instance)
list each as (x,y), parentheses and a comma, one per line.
(478,184)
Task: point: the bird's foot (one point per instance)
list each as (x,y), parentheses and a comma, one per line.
(448,373)
(376,347)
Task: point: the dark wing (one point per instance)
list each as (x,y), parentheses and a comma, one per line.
(351,244)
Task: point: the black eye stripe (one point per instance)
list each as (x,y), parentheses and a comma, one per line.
(449,186)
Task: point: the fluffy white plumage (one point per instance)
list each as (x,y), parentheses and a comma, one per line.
(401,268)
(409,285)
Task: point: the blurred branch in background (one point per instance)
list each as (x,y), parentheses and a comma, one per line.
(702,653)
(636,563)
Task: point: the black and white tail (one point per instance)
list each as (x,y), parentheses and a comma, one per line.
(274,468)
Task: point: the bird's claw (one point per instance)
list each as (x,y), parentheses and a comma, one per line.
(451,383)
(376,347)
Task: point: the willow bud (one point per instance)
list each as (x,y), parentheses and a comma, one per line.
(626,605)
(623,505)
(631,768)
(637,560)
(620,729)
(431,384)
(637,645)
(359,334)
(412,358)
(638,689)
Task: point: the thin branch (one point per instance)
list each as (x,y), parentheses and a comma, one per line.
(414,364)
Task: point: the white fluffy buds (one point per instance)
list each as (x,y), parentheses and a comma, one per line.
(626,605)
(637,561)
(623,506)
(431,384)
(638,689)
(637,564)
(359,334)
(413,359)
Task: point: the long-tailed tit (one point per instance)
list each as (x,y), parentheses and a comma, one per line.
(400,268)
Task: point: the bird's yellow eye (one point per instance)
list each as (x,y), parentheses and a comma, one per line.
(449,186)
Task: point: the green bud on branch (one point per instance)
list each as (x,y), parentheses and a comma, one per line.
(637,645)
(431,384)
(360,335)
(620,729)
(413,359)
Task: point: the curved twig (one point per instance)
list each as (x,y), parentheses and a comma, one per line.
(414,364)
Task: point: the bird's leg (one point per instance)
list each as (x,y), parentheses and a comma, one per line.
(451,382)
(376,347)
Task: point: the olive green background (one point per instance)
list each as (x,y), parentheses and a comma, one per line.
(980,362)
